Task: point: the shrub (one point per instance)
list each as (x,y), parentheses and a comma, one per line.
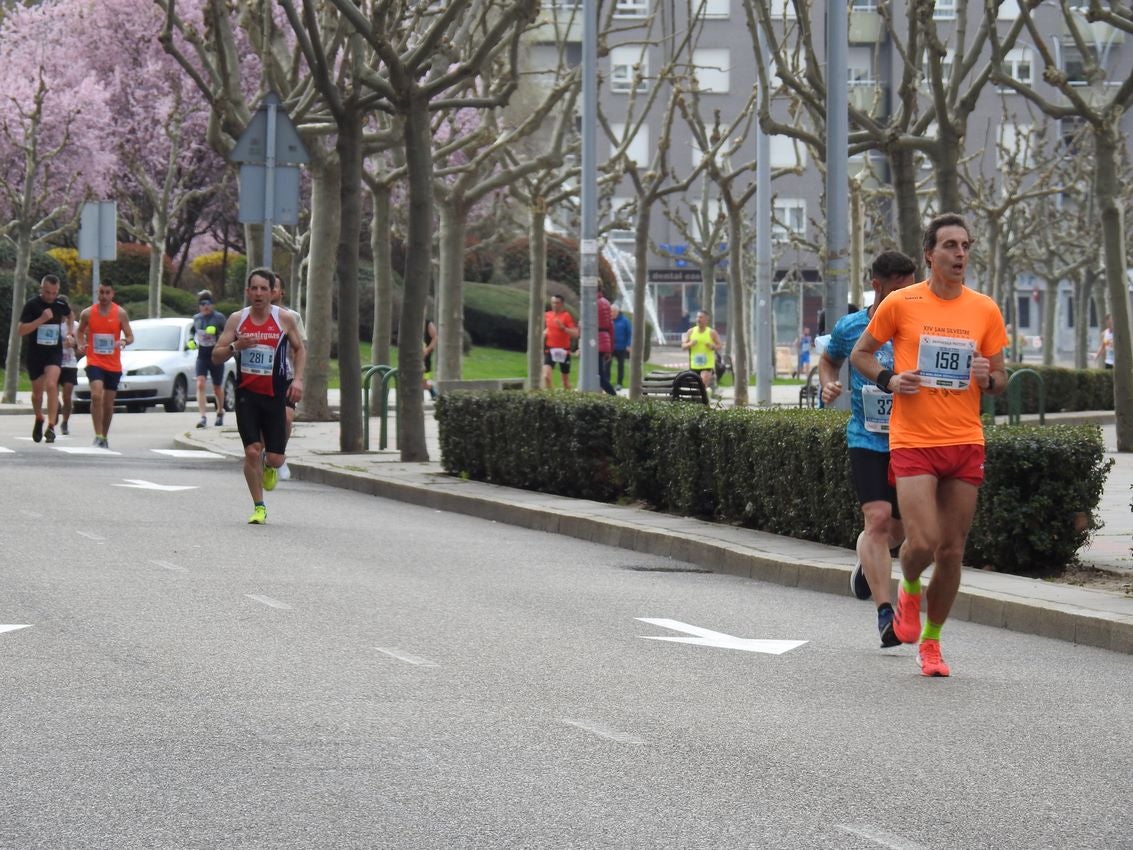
(562,263)
(132,266)
(781,471)
(1065,389)
(174,302)
(41,263)
(78,271)
(496,316)
(219,272)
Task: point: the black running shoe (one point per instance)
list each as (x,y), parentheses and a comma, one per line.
(885,627)
(37,430)
(49,435)
(858,584)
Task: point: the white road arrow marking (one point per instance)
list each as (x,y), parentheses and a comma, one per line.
(12,628)
(4,451)
(138,484)
(192,454)
(705,637)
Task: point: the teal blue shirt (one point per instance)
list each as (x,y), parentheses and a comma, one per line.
(842,340)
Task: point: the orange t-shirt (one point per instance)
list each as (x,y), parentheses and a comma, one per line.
(557,338)
(103,334)
(931,331)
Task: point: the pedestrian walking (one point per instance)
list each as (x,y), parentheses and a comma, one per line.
(623,338)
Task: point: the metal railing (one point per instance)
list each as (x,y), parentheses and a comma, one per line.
(386,374)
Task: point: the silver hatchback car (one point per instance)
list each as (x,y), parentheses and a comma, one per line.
(158,368)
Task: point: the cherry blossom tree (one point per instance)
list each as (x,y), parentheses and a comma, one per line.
(54,123)
(161,121)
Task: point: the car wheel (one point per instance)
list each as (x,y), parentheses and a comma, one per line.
(176,403)
(230,393)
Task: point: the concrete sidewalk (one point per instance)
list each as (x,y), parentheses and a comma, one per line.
(1093,617)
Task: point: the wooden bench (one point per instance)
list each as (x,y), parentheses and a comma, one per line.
(675,386)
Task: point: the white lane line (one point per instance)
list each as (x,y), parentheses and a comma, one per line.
(192,454)
(165,565)
(11,627)
(85,450)
(89,536)
(880,837)
(267,600)
(602,731)
(4,451)
(415,660)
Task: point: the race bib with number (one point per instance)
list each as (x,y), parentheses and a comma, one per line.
(47,335)
(945,362)
(103,343)
(258,360)
(877,405)
(700,361)
(559,355)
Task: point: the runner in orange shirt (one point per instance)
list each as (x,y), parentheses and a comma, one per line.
(948,343)
(558,332)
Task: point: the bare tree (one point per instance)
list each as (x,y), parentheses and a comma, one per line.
(1102,108)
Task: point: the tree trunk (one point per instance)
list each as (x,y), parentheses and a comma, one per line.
(1082,351)
(537,246)
(949,148)
(156,268)
(994,291)
(1050,323)
(383,276)
(737,295)
(320,280)
(450,288)
(1106,183)
(349,148)
(640,280)
(909,226)
(418,274)
(19,295)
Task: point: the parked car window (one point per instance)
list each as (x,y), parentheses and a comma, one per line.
(156,338)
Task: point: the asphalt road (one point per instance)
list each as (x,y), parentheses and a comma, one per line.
(361,673)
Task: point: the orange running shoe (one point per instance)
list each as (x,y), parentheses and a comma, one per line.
(928,654)
(907,623)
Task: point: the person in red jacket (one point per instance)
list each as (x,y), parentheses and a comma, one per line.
(605,344)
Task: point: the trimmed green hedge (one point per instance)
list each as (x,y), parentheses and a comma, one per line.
(783,471)
(1066,389)
(496,316)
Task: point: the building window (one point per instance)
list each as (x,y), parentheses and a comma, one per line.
(944,10)
(1076,65)
(713,69)
(864,5)
(713,9)
(1020,66)
(787,152)
(631,9)
(788,217)
(1009,10)
(638,149)
(1015,146)
(782,9)
(945,67)
(1023,311)
(626,65)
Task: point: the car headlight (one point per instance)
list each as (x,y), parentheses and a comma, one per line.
(146,370)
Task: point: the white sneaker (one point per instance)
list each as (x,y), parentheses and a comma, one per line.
(284,472)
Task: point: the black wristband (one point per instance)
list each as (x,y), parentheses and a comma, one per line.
(990,384)
(883,379)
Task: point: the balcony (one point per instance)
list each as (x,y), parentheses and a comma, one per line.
(870,97)
(865,26)
(1097,34)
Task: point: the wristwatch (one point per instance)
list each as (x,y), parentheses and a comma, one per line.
(883,379)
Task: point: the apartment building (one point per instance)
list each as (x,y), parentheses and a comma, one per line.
(708,47)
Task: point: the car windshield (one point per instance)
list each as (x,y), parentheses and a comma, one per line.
(156,338)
